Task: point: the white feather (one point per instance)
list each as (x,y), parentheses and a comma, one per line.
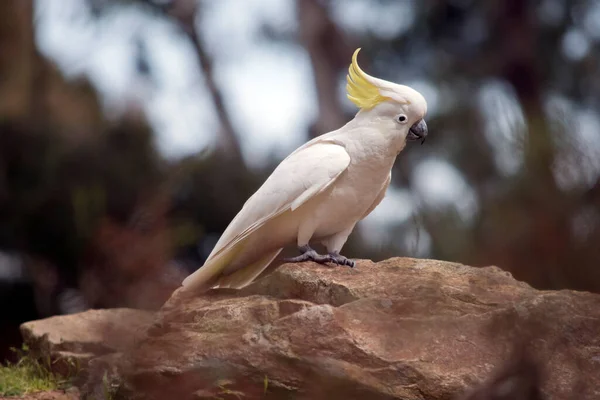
(301,176)
(321,190)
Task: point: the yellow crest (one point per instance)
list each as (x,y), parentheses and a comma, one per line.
(361,91)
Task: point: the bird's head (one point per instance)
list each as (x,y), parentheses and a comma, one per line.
(396,106)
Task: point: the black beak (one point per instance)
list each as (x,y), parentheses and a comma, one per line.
(418,131)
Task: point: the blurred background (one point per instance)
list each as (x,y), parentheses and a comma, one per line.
(132,132)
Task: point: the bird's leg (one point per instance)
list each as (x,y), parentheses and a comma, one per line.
(336,257)
(308,254)
(334,244)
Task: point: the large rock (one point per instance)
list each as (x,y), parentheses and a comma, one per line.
(70,394)
(398,329)
(71,341)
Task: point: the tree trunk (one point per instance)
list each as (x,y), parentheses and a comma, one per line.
(329,53)
(17,55)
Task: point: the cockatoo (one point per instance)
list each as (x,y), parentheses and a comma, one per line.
(322,189)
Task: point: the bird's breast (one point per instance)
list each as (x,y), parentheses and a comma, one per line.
(349,198)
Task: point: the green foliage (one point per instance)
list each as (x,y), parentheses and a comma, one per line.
(53,194)
(29,374)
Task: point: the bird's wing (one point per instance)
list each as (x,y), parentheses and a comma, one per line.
(380,195)
(301,176)
(296,180)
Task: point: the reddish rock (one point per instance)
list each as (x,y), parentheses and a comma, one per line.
(398,329)
(77,338)
(71,394)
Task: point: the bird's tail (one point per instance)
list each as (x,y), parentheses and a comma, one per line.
(209,275)
(246,275)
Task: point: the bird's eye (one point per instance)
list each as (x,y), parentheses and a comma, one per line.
(402,118)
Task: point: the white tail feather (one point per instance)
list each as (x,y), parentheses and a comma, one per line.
(206,276)
(246,275)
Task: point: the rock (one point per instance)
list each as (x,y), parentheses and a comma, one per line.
(518,379)
(71,394)
(77,338)
(398,329)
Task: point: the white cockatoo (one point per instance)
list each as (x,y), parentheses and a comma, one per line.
(322,189)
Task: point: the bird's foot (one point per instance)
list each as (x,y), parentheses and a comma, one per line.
(339,259)
(309,254)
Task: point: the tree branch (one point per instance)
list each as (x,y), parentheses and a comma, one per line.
(329,53)
(184,13)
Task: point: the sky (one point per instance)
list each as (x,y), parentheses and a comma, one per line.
(268,87)
(264,85)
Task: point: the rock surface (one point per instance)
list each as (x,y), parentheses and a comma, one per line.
(74,339)
(71,394)
(398,329)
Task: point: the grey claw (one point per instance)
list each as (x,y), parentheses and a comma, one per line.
(309,255)
(341,260)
